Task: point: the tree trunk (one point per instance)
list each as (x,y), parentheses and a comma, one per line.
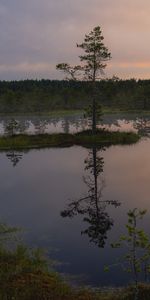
(94,121)
(94,116)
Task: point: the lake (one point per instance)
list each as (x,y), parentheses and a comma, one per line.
(73,123)
(73,202)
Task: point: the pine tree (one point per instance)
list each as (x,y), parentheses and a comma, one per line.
(93,63)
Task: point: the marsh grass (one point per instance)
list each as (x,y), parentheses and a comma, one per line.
(26,274)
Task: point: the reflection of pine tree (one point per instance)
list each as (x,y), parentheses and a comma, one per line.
(13,126)
(92,206)
(14,157)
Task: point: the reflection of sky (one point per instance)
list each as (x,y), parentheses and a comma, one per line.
(74,123)
(40,186)
(132,162)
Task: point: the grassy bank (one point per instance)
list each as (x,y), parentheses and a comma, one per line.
(46,286)
(47,113)
(26,275)
(73,112)
(84,138)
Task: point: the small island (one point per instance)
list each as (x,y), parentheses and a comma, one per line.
(82,138)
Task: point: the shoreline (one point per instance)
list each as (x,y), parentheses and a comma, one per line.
(61,112)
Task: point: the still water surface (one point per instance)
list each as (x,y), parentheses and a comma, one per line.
(74,123)
(58,195)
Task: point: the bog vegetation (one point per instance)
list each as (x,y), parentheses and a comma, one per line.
(84,138)
(27,274)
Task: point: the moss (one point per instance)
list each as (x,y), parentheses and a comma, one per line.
(85,138)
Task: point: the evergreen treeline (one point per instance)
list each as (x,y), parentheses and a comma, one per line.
(45,95)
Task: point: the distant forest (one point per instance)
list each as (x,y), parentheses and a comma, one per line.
(33,96)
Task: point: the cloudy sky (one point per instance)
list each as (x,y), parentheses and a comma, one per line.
(35,35)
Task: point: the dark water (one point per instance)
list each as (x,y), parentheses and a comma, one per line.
(58,195)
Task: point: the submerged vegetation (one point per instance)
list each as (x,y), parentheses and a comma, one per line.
(84,138)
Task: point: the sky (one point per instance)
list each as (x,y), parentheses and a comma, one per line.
(35,35)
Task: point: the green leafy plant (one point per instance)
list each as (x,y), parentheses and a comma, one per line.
(7,233)
(137,259)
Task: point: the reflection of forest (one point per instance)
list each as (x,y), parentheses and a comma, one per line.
(92,206)
(40,125)
(68,124)
(143,126)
